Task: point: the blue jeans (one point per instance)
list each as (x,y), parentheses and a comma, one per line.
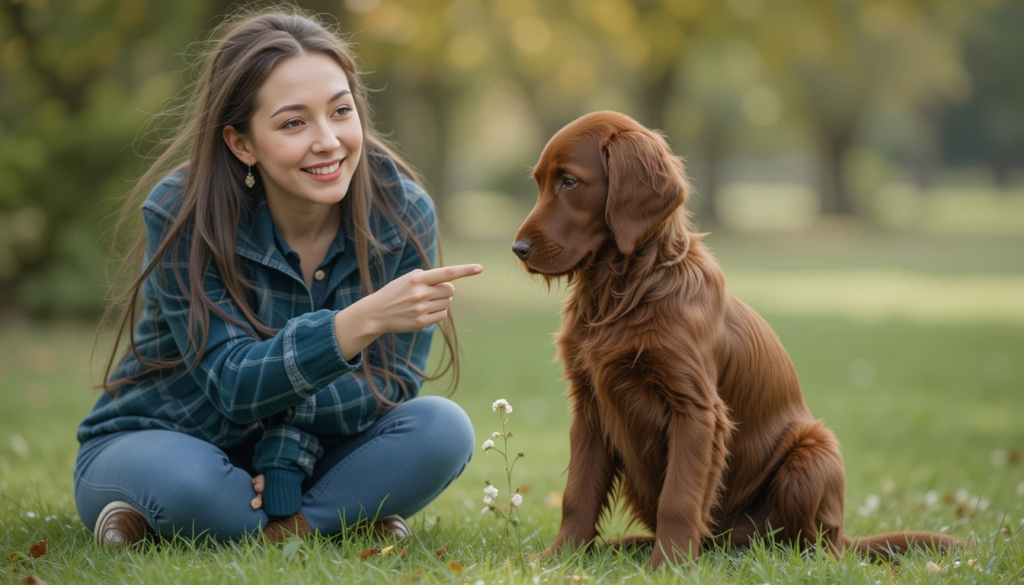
(187,485)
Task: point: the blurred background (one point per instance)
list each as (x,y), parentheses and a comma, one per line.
(895,116)
(859,165)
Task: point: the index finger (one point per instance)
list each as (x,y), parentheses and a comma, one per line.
(450,273)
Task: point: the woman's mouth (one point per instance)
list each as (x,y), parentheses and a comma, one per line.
(325,173)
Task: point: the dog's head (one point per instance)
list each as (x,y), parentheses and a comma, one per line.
(603,178)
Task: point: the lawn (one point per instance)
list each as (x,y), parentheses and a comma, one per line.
(927,404)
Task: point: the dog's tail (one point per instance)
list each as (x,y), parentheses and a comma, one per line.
(883,546)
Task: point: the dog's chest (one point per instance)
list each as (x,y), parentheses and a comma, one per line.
(629,396)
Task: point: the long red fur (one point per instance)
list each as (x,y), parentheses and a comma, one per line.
(681,395)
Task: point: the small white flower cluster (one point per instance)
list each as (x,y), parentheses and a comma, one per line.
(490,492)
(488,445)
(503,405)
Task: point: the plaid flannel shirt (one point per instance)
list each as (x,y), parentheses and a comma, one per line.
(278,392)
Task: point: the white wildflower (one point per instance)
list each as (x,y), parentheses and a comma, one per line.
(488,445)
(1020,489)
(517,499)
(495,435)
(485,510)
(503,405)
(488,500)
(931,498)
(491,491)
(20,446)
(31,515)
(871,504)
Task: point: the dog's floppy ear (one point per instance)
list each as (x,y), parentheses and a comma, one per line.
(646,184)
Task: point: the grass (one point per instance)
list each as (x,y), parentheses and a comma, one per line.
(920,406)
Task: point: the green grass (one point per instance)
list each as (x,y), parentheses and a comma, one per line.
(918,407)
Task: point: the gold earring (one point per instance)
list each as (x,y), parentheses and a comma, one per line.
(249,179)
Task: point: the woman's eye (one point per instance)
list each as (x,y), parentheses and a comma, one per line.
(343,109)
(569,182)
(292,123)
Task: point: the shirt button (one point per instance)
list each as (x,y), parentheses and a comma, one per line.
(319,275)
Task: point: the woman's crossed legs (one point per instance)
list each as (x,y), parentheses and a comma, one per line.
(184,484)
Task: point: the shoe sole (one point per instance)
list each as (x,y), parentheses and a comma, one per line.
(107,510)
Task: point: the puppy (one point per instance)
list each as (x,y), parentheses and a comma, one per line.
(679,392)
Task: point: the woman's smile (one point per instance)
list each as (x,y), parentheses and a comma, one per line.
(325,172)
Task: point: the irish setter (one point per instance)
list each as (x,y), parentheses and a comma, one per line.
(679,391)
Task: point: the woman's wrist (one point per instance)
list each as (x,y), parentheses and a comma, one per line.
(355,329)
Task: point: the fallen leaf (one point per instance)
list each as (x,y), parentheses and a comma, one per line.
(368,553)
(965,510)
(1007,531)
(455,567)
(33,580)
(403,553)
(1015,457)
(385,551)
(932,568)
(525,489)
(442,551)
(38,549)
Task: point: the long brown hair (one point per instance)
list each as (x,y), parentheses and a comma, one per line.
(244,49)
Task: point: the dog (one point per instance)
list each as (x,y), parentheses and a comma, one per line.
(681,395)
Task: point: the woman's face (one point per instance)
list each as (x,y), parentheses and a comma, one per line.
(305,134)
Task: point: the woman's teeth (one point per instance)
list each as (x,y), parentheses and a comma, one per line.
(323,170)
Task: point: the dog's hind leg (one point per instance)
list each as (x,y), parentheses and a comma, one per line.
(806,494)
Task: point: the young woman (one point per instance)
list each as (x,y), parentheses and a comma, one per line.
(288,310)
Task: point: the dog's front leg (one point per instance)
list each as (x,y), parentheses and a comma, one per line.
(697,437)
(591,473)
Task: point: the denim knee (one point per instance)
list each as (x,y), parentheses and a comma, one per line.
(444,429)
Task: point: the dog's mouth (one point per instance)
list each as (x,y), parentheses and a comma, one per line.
(556,274)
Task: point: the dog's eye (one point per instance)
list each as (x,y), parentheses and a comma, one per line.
(568,182)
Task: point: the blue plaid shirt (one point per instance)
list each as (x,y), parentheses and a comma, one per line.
(241,383)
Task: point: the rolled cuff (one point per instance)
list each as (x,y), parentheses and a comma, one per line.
(282,495)
(312,357)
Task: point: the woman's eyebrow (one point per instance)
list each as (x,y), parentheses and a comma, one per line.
(302,107)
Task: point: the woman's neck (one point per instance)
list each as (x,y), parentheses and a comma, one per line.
(303,223)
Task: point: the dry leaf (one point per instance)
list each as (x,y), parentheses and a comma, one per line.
(525,489)
(385,551)
(33,580)
(965,510)
(455,567)
(442,551)
(1015,457)
(1007,531)
(38,549)
(932,568)
(368,553)
(403,554)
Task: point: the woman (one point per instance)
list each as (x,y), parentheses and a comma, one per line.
(289,308)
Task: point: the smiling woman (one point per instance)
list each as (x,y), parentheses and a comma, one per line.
(289,302)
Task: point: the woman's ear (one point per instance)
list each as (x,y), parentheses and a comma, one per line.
(646,184)
(240,145)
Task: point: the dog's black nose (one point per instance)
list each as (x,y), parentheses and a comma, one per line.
(522,248)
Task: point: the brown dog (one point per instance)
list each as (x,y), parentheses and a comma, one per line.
(678,390)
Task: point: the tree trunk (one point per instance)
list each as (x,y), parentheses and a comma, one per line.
(713,151)
(834,195)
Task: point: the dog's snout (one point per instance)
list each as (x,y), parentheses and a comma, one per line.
(522,248)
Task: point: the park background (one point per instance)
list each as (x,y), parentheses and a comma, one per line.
(859,166)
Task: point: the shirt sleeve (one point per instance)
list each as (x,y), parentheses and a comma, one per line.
(245,378)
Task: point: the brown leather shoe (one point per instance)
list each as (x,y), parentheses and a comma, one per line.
(280,529)
(120,524)
(389,527)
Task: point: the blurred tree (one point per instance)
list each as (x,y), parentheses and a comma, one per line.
(989,128)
